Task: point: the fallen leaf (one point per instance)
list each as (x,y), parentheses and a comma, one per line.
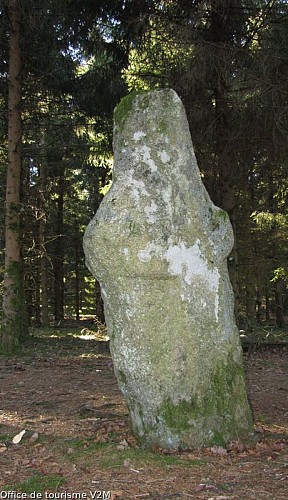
(116,494)
(132,441)
(122,445)
(259,428)
(261,446)
(219,450)
(236,446)
(34,437)
(278,446)
(16,439)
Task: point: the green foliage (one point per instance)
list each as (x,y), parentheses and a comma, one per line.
(280,273)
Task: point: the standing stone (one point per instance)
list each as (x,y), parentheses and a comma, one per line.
(158,246)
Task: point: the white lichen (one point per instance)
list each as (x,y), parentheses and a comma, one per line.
(150,211)
(190,264)
(138,135)
(126,252)
(167,196)
(152,249)
(137,188)
(142,153)
(164,157)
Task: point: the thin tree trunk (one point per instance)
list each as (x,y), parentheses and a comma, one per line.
(77,280)
(279,304)
(43,257)
(59,254)
(44,287)
(13,326)
(37,301)
(267,307)
(250,299)
(249,271)
(233,267)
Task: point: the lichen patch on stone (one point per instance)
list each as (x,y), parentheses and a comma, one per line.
(164,157)
(150,211)
(143,154)
(152,249)
(189,263)
(138,135)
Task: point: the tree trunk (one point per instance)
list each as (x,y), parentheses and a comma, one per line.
(43,257)
(44,286)
(267,307)
(77,280)
(233,268)
(59,254)
(35,308)
(279,304)
(248,260)
(13,326)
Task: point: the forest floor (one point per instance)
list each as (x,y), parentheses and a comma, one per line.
(62,391)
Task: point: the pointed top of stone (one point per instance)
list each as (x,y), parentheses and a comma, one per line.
(154,154)
(150,117)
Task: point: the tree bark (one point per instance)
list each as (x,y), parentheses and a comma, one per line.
(44,312)
(77,280)
(59,253)
(13,326)
(279,304)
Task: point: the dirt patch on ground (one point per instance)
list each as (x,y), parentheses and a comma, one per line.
(77,441)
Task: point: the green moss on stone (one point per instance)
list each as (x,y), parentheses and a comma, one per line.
(214,417)
(125,107)
(177,416)
(218,216)
(222,214)
(218,438)
(222,404)
(122,377)
(161,126)
(224,393)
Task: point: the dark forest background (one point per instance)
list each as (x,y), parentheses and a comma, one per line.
(227,60)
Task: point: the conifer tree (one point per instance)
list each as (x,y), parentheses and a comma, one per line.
(13,323)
